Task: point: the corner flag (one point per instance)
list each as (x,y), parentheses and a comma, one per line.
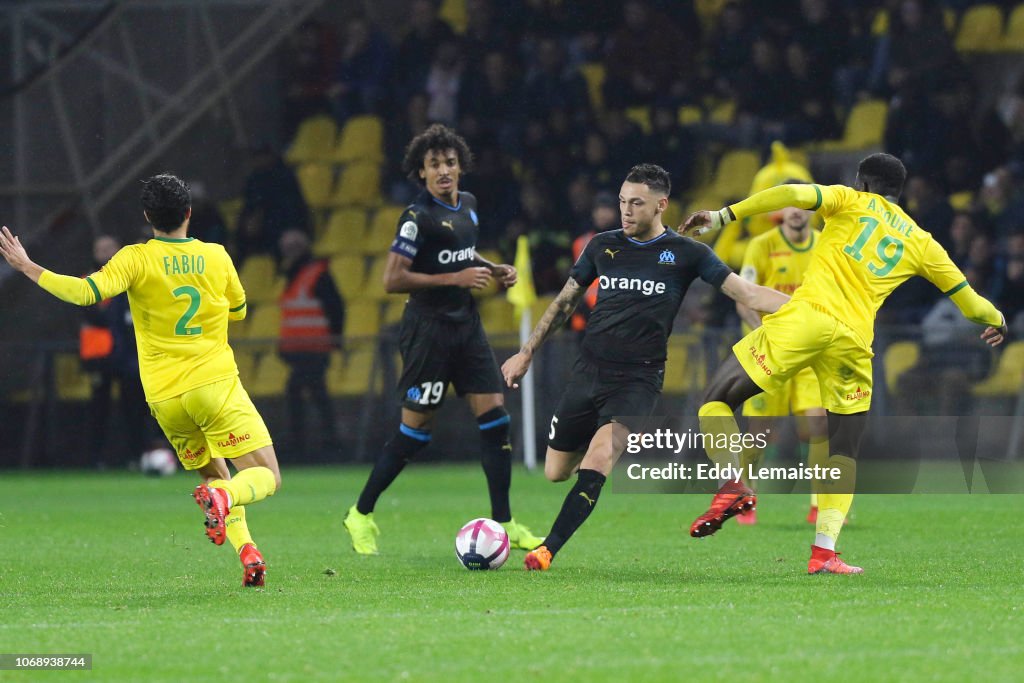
(522,295)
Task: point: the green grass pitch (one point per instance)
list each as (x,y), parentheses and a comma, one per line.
(117,566)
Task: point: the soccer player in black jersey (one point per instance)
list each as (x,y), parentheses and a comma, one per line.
(433,258)
(643,272)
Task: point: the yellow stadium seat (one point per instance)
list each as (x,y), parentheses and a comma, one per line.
(538,308)
(673,214)
(382,229)
(264,322)
(735,173)
(594,74)
(316,181)
(690,115)
(359,185)
(246,362)
(981,29)
(361,139)
(314,141)
(1014,38)
(865,127)
(72,383)
(344,234)
(349,273)
(454,12)
(260,279)
(723,113)
(271,376)
(498,316)
(230,209)
(899,357)
(1007,376)
(961,201)
(374,285)
(350,373)
(641,116)
(394,307)
(683,373)
(362,318)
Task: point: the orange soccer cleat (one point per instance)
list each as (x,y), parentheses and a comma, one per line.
(253,567)
(538,559)
(824,561)
(732,499)
(748,518)
(214,504)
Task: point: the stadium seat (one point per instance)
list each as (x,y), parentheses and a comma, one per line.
(641,116)
(394,307)
(349,273)
(361,139)
(682,376)
(362,318)
(961,201)
(594,74)
(723,113)
(246,362)
(1014,39)
(264,322)
(673,214)
(865,127)
(899,357)
(72,383)
(359,185)
(1007,376)
(316,181)
(344,234)
(690,115)
(260,279)
(735,173)
(382,229)
(350,373)
(454,12)
(373,288)
(981,27)
(230,209)
(498,316)
(313,142)
(271,376)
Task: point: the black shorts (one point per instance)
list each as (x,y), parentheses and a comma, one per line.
(437,351)
(596,396)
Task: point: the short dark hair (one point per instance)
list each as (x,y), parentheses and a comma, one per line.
(651,175)
(883,174)
(166,200)
(436,138)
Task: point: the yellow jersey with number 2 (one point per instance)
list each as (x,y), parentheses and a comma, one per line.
(182,292)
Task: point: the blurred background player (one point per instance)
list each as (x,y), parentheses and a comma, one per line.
(603,217)
(185,291)
(778,259)
(869,246)
(312,324)
(619,373)
(442,340)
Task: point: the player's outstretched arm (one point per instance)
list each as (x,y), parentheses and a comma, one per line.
(399,278)
(755,297)
(765,201)
(981,311)
(554,317)
(505,274)
(16,256)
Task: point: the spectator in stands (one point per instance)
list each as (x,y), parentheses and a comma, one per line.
(1011,299)
(648,57)
(426,32)
(550,242)
(443,83)
(595,163)
(604,216)
(730,50)
(579,195)
(764,98)
(669,145)
(985,265)
(813,115)
(485,34)
(492,99)
(272,204)
(962,230)
(401,129)
(361,76)
(309,62)
(206,223)
(107,352)
(312,324)
(929,207)
(551,84)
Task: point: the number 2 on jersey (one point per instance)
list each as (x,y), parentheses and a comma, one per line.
(888,261)
(181,328)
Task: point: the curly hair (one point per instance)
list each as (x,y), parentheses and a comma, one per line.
(651,175)
(166,199)
(436,138)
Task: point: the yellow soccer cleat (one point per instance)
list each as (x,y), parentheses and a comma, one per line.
(363,531)
(520,537)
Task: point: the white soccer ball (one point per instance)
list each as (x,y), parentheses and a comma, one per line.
(482,544)
(159,462)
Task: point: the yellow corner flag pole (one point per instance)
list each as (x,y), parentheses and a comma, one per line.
(522,295)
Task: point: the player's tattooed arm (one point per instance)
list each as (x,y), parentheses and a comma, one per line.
(554,317)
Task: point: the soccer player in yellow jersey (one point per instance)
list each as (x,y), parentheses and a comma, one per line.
(182,292)
(868,247)
(778,259)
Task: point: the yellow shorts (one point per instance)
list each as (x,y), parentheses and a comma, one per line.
(799,335)
(216,420)
(799,395)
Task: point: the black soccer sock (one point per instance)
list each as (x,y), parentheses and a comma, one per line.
(577,507)
(397,453)
(496,458)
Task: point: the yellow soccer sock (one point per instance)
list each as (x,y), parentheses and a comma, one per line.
(834,500)
(719,425)
(814,500)
(817,454)
(249,486)
(236,528)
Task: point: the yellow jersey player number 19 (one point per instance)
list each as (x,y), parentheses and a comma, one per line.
(868,247)
(182,293)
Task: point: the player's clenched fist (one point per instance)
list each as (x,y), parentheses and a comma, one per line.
(476,277)
(514,368)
